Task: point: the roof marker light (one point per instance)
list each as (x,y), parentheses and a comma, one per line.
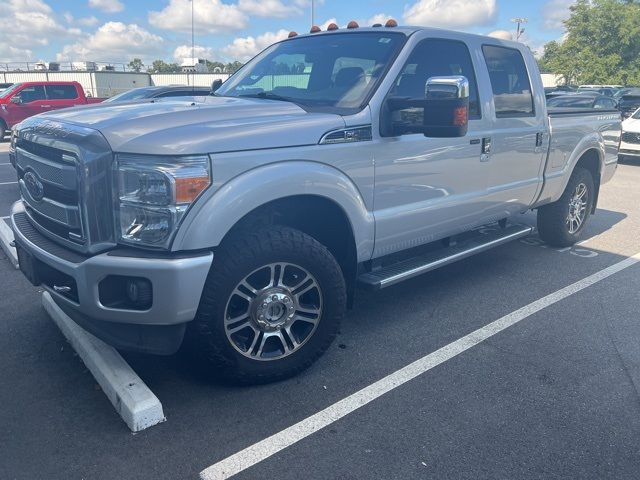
(332,26)
(315,29)
(391,23)
(292,34)
(376,25)
(353,24)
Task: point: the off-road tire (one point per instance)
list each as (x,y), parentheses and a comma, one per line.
(552,218)
(237,257)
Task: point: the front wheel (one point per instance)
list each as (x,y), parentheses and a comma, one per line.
(561,223)
(271,305)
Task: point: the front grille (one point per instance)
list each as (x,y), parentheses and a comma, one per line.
(53,203)
(630,137)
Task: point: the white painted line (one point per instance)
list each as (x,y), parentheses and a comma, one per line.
(6,238)
(8,183)
(7,163)
(136,404)
(262,450)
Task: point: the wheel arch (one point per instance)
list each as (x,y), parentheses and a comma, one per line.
(592,161)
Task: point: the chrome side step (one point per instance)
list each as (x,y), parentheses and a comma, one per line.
(480,242)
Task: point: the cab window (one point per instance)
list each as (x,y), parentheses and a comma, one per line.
(61,92)
(32,94)
(512,93)
(436,58)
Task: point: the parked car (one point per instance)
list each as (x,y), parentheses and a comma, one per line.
(22,100)
(606,91)
(629,102)
(4,86)
(243,222)
(630,145)
(144,93)
(580,100)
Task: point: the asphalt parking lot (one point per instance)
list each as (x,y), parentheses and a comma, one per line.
(553,396)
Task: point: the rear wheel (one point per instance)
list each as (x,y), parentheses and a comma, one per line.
(271,305)
(562,222)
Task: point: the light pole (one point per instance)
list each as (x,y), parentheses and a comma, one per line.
(313,13)
(520,21)
(193,43)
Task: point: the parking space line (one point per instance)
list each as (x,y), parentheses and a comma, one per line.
(7,163)
(8,183)
(264,449)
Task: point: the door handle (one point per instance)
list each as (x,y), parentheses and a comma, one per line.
(486,149)
(539,142)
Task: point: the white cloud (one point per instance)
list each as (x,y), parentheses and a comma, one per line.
(501,34)
(245,48)
(88,21)
(269,8)
(109,6)
(378,18)
(451,13)
(184,51)
(211,16)
(115,41)
(555,12)
(26,25)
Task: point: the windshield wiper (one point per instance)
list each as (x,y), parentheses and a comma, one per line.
(268,96)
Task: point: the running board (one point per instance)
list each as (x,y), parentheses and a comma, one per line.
(480,242)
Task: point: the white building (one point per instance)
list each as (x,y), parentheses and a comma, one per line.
(194,65)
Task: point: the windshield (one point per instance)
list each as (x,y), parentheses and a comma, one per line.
(636,115)
(331,72)
(135,94)
(11,89)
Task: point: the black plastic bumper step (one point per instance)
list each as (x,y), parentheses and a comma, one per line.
(480,241)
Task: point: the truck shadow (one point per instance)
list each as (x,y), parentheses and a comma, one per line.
(461,289)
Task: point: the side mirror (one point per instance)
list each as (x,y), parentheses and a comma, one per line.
(216,84)
(447,111)
(16,99)
(442,112)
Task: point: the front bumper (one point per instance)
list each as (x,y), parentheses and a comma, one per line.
(177,282)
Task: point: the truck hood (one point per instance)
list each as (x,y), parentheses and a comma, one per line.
(200,124)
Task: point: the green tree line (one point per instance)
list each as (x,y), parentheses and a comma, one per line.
(160,66)
(601,45)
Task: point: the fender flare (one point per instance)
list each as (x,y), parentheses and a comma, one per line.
(214,214)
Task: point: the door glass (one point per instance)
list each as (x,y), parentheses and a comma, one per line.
(509,80)
(32,94)
(61,92)
(435,58)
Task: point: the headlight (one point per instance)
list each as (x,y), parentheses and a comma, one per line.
(154,192)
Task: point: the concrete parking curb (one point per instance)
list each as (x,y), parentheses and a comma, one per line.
(6,239)
(132,399)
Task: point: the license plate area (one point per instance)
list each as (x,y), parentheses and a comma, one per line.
(39,273)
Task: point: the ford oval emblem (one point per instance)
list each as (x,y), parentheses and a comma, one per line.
(34,185)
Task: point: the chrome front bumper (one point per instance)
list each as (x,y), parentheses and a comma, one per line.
(177,280)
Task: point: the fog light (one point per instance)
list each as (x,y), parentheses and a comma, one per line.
(126,293)
(139,292)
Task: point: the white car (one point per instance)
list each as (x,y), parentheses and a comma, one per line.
(630,144)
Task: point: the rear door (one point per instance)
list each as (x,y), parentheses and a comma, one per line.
(32,98)
(520,133)
(61,96)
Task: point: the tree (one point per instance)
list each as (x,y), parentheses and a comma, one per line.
(160,66)
(136,64)
(215,67)
(232,67)
(602,44)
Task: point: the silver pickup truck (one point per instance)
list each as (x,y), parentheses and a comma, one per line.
(241,224)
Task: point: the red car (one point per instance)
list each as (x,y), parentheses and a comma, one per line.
(23,100)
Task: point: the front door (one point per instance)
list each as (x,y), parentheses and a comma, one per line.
(33,100)
(430,188)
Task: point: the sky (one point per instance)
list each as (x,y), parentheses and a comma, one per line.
(227,30)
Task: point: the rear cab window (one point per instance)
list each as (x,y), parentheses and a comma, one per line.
(510,83)
(61,92)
